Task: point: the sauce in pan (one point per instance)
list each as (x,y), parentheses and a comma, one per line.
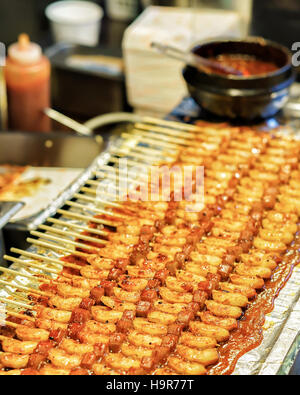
(247,65)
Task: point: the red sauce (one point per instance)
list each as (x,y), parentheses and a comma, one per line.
(249,66)
(28,93)
(249,334)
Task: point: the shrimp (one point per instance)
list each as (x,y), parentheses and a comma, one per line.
(61,316)
(67,304)
(187,368)
(63,360)
(205,357)
(19,347)
(67,291)
(14,361)
(73,347)
(50,370)
(144,326)
(32,334)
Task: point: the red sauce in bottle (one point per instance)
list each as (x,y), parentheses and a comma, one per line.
(27,74)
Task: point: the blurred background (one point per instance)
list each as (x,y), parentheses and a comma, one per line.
(121,79)
(264,17)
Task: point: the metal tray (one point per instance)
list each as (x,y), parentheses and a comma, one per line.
(7,210)
(100,84)
(282,325)
(47,150)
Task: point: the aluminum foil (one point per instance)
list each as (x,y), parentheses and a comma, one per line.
(280,332)
(281,342)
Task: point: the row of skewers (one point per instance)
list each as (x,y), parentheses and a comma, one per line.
(155,287)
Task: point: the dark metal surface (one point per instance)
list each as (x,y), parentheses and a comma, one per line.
(83,92)
(7,211)
(277,20)
(48,150)
(295,371)
(43,150)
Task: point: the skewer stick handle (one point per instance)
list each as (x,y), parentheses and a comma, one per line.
(30,264)
(76,226)
(18,315)
(26,289)
(45,236)
(85,218)
(14,303)
(51,229)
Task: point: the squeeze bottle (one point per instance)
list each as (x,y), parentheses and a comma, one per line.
(27,74)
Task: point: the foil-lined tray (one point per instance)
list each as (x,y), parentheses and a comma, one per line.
(281,342)
(280,332)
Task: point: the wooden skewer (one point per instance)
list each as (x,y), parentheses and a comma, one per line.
(97,201)
(88,199)
(130,162)
(31,264)
(210,129)
(26,289)
(170,132)
(19,297)
(94,192)
(115,177)
(14,303)
(96,210)
(165,155)
(127,180)
(123,198)
(120,196)
(76,244)
(32,277)
(128,153)
(58,248)
(21,316)
(56,262)
(149,159)
(67,277)
(202,134)
(173,124)
(97,221)
(11,313)
(18,274)
(179,142)
(80,227)
(114,171)
(55,247)
(152,142)
(151,151)
(96,184)
(51,229)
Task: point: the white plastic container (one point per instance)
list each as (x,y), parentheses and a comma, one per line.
(154,82)
(122,10)
(75,22)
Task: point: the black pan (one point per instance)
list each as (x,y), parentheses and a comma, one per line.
(244,98)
